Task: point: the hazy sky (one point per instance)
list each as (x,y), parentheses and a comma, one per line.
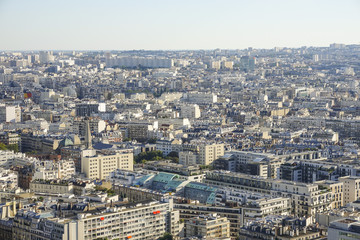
(181,24)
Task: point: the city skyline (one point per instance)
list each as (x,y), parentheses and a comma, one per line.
(160,25)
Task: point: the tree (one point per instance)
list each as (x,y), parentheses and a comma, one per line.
(173,154)
(166,236)
(149,156)
(109,96)
(3,146)
(152,140)
(11,147)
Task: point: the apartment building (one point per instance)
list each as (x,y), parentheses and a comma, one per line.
(86,109)
(208,226)
(233,214)
(10,114)
(306,199)
(10,138)
(351,187)
(209,153)
(190,111)
(62,169)
(101,165)
(142,220)
(53,187)
(96,126)
(337,189)
(188,158)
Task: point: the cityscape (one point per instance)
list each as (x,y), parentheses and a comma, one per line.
(178,144)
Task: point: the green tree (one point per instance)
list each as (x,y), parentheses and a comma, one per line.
(13,147)
(2,146)
(152,140)
(149,156)
(166,236)
(173,154)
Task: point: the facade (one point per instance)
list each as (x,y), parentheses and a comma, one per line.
(337,189)
(188,158)
(233,214)
(53,187)
(306,199)
(10,114)
(62,169)
(100,166)
(10,138)
(208,226)
(146,220)
(351,187)
(86,109)
(96,126)
(209,153)
(190,111)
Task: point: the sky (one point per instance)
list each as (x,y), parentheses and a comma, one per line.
(176,25)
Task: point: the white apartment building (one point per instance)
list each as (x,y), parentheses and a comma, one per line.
(351,186)
(10,158)
(307,199)
(100,166)
(10,114)
(139,221)
(63,169)
(190,111)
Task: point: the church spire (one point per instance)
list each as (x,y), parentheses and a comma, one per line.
(88,140)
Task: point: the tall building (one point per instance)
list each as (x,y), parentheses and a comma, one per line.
(86,109)
(46,57)
(209,153)
(80,126)
(101,165)
(190,111)
(10,114)
(247,63)
(351,186)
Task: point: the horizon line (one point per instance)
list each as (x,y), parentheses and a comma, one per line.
(198,49)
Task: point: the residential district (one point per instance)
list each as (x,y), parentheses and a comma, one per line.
(207,144)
